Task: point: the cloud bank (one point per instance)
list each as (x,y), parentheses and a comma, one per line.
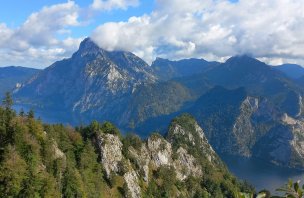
(214,29)
(270,30)
(45,36)
(35,41)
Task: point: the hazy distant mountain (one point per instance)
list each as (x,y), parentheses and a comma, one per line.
(244,71)
(252,102)
(291,70)
(237,123)
(301,81)
(93,82)
(217,110)
(259,80)
(154,100)
(10,76)
(165,69)
(243,104)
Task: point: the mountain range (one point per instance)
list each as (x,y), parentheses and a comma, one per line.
(291,70)
(246,107)
(51,160)
(13,76)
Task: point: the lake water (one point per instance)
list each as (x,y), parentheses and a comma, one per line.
(260,174)
(46,117)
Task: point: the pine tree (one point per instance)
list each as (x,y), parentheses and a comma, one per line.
(21,113)
(7,101)
(31,114)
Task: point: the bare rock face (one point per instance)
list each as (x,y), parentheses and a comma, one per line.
(204,145)
(296,127)
(243,130)
(110,148)
(178,130)
(160,151)
(57,152)
(113,161)
(186,165)
(131,180)
(143,159)
(263,130)
(185,132)
(185,136)
(301,106)
(185,151)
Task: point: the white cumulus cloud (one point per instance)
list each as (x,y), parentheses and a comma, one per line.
(270,30)
(35,42)
(113,4)
(45,36)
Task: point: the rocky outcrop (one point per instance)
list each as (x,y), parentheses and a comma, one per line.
(204,145)
(262,131)
(113,161)
(58,154)
(186,132)
(296,128)
(183,150)
(301,104)
(110,148)
(186,165)
(133,188)
(157,152)
(160,151)
(243,130)
(143,159)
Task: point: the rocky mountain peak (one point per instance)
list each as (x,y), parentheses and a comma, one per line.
(242,57)
(245,61)
(93,80)
(159,60)
(88,45)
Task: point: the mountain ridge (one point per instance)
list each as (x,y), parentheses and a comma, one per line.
(46,160)
(90,74)
(240,96)
(12,76)
(293,71)
(166,69)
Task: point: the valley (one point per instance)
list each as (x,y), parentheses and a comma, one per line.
(152,99)
(246,107)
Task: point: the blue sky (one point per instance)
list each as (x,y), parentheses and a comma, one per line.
(37,33)
(14,15)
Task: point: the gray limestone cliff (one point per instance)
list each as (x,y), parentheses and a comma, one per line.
(184,150)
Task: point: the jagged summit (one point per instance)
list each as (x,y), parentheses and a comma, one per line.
(88,46)
(93,80)
(124,59)
(88,43)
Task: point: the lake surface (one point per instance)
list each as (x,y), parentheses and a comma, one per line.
(46,117)
(260,174)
